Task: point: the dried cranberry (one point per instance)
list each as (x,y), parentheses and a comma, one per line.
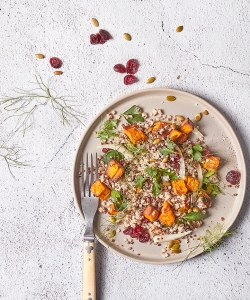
(145,221)
(233,177)
(132,66)
(105,35)
(129,79)
(105,150)
(175,161)
(120,68)
(139,229)
(128,230)
(205,153)
(55,62)
(94,40)
(144,237)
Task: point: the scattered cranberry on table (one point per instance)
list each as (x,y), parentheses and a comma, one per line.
(100,38)
(129,79)
(120,68)
(55,62)
(132,66)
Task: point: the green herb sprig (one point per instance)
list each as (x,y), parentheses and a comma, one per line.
(112,154)
(24,105)
(120,201)
(133,115)
(196,152)
(107,130)
(169,149)
(210,187)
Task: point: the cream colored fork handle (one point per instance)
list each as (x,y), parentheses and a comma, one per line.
(89,280)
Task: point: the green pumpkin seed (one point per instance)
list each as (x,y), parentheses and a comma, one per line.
(176,251)
(171,98)
(112,233)
(179,28)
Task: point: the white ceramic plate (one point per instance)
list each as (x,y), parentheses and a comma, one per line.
(219,137)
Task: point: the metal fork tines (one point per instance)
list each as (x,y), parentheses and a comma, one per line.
(89,202)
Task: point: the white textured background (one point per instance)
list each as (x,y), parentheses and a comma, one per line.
(41,231)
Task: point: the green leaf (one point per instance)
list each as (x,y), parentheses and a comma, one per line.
(197,147)
(140,181)
(165,151)
(156,189)
(120,201)
(134,149)
(112,154)
(209,174)
(110,124)
(197,156)
(194,216)
(132,110)
(135,114)
(106,131)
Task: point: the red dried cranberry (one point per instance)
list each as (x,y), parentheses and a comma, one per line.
(175,161)
(144,237)
(145,221)
(139,229)
(132,66)
(205,153)
(94,39)
(233,177)
(55,62)
(128,230)
(105,35)
(129,79)
(120,68)
(105,150)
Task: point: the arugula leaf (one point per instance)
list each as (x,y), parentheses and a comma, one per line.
(112,154)
(107,130)
(194,216)
(135,113)
(140,181)
(120,201)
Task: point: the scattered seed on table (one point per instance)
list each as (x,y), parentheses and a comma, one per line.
(205,112)
(39,55)
(58,72)
(198,117)
(127,36)
(95,22)
(150,80)
(179,28)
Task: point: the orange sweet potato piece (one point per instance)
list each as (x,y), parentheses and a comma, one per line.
(167,216)
(187,126)
(112,210)
(114,170)
(162,128)
(179,187)
(151,213)
(178,136)
(212,163)
(100,190)
(192,183)
(134,134)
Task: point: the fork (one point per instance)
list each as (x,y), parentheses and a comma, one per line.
(89,204)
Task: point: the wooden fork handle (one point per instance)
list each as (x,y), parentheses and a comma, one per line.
(89,280)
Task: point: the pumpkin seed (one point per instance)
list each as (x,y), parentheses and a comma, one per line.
(127,36)
(175,246)
(166,183)
(95,22)
(205,112)
(170,244)
(150,80)
(196,209)
(152,160)
(198,117)
(179,28)
(112,233)
(177,241)
(173,126)
(112,219)
(58,72)
(190,210)
(180,118)
(171,98)
(39,55)
(156,141)
(176,251)
(165,159)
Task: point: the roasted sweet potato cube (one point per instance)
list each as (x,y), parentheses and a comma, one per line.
(161,128)
(100,190)
(167,216)
(187,126)
(178,136)
(134,134)
(151,213)
(179,187)
(111,209)
(192,183)
(114,170)
(212,163)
